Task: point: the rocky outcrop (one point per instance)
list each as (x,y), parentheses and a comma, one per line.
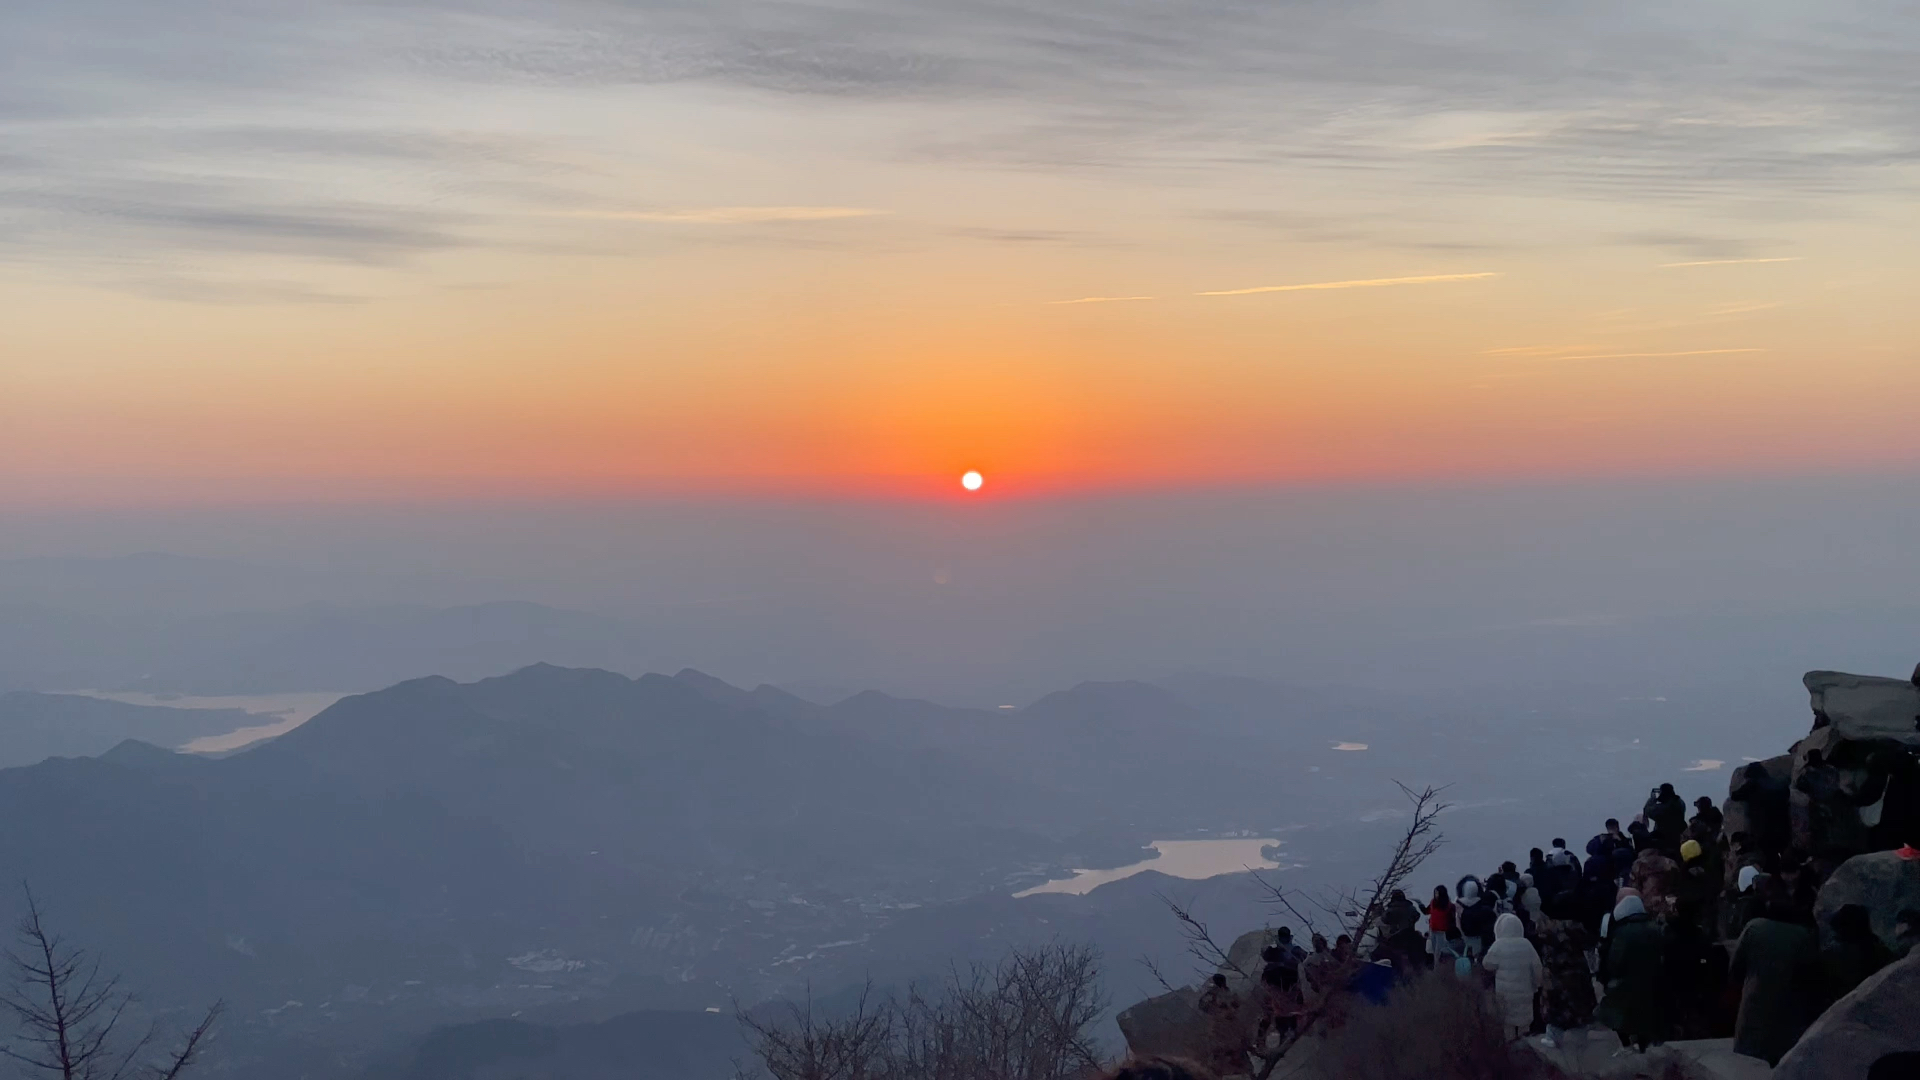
(1875,1020)
(1864,793)
(1860,708)
(1243,958)
(1881,882)
(1170,1025)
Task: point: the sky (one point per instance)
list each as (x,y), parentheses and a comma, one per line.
(263,251)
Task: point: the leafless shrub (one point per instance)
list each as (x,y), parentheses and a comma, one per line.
(1354,911)
(69,1018)
(1357,910)
(1029,1017)
(805,1046)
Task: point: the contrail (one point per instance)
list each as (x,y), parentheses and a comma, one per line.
(1368,283)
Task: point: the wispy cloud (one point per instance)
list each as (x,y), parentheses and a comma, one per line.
(1651,355)
(1728,262)
(1742,307)
(1537,350)
(1100,300)
(730,215)
(1365,283)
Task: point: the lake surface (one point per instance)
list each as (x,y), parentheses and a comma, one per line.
(1192,859)
(278,713)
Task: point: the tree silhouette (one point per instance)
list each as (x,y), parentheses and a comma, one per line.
(69,1017)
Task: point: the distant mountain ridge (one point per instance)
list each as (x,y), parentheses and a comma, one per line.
(543,796)
(436,828)
(442,851)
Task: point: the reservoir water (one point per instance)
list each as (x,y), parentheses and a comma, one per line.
(1191,859)
(279,713)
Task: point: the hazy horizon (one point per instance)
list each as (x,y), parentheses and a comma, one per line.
(1390,587)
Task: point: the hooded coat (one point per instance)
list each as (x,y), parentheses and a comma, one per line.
(1777,963)
(1476,919)
(1530,900)
(1636,975)
(1517,971)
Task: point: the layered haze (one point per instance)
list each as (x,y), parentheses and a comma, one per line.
(1626,588)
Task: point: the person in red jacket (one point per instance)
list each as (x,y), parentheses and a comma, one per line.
(1440,925)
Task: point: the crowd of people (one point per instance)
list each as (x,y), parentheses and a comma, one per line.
(1666,929)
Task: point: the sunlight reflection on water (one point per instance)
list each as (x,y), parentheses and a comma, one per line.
(1192,859)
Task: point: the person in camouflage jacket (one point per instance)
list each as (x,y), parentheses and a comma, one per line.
(1563,942)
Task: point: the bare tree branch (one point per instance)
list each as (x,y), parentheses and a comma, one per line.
(1029,1017)
(1355,910)
(1153,969)
(1200,943)
(1278,896)
(69,1017)
(195,1042)
(809,1047)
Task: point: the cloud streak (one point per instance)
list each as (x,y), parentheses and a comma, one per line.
(1364,283)
(1728,262)
(730,215)
(1651,355)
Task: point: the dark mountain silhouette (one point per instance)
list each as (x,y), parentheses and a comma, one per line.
(573,842)
(641,1045)
(34,727)
(433,830)
(656,773)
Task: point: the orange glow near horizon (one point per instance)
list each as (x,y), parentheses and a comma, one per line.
(800,307)
(827,397)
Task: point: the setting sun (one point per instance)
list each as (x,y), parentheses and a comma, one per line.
(972,480)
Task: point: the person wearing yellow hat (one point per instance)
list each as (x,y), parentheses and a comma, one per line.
(1689,851)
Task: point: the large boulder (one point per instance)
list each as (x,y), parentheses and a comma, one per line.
(1867,729)
(1171,1025)
(1881,882)
(1875,1020)
(1862,708)
(1243,959)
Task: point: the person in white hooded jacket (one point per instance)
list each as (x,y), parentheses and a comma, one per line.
(1517,973)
